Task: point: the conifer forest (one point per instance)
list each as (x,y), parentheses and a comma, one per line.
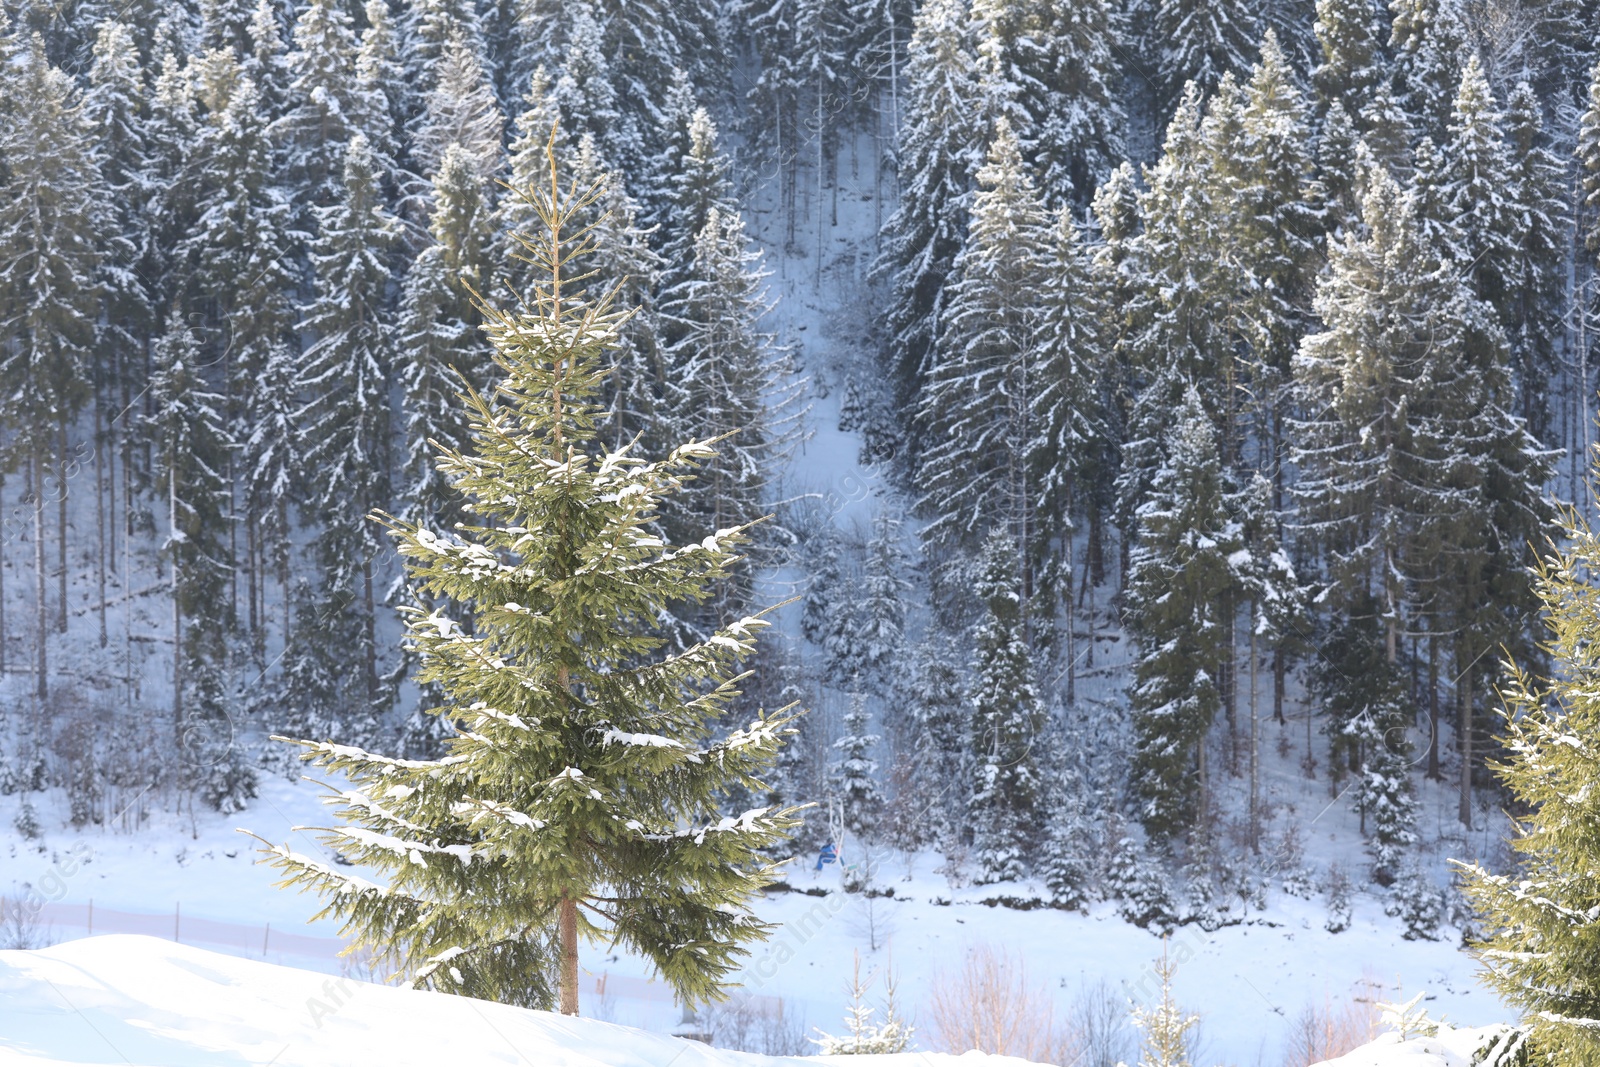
(1133,427)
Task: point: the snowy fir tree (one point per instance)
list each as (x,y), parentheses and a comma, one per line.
(1008,788)
(192,443)
(939,155)
(853,778)
(981,400)
(864,1036)
(345,376)
(440,348)
(1178,579)
(579,799)
(1538,951)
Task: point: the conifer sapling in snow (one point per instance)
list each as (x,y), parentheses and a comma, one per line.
(578,800)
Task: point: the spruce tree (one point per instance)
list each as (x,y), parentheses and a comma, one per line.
(462,113)
(346,380)
(981,402)
(1007,719)
(1199,42)
(325,106)
(1539,952)
(1178,581)
(725,379)
(1535,277)
(579,798)
(853,776)
(939,153)
(54,205)
(440,350)
(1352,57)
(189,433)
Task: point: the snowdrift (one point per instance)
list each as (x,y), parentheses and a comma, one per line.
(1450,1047)
(153,1003)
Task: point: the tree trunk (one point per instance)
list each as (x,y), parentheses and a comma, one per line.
(1255,752)
(569,957)
(100,516)
(61,531)
(370,623)
(1433,709)
(41,628)
(177,611)
(1465,688)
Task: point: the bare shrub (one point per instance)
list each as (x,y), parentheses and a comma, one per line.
(749,1024)
(988,1005)
(1331,1029)
(20,925)
(1098,1030)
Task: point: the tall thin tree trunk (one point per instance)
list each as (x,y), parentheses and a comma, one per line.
(41,628)
(1230,681)
(1255,751)
(61,531)
(177,609)
(1433,707)
(1465,728)
(370,624)
(100,516)
(568,922)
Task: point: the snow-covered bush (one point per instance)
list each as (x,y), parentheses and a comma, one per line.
(27,821)
(1417,901)
(1140,886)
(230,784)
(1338,889)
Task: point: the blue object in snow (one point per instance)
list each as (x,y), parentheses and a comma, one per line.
(827,855)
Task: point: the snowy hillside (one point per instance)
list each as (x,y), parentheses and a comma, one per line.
(143,1001)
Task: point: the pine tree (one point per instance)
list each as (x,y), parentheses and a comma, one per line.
(1007,791)
(1539,952)
(325,105)
(1428,41)
(1535,276)
(725,379)
(1178,580)
(1352,58)
(1059,69)
(461,113)
(440,349)
(191,442)
(55,205)
(580,799)
(938,155)
(981,402)
(853,775)
(346,379)
(1199,42)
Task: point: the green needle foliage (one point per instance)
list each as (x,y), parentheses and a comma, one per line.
(579,798)
(1544,952)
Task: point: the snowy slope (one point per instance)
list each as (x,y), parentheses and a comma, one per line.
(148,1002)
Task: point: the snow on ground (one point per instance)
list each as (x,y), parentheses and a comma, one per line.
(143,1001)
(1248,982)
